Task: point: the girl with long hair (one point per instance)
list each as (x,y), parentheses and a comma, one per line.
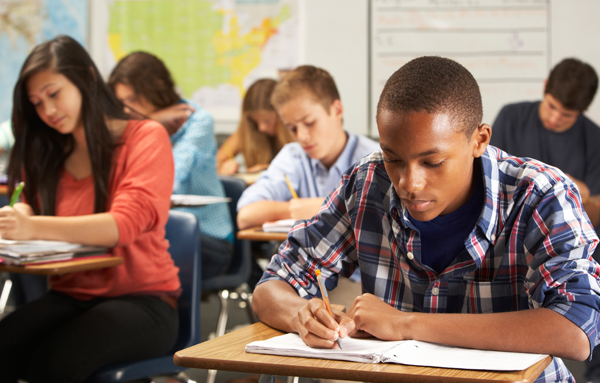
(260,134)
(92,176)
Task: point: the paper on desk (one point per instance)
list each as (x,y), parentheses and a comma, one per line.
(196,200)
(402,352)
(37,246)
(281,226)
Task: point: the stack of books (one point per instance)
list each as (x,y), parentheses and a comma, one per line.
(36,252)
(281,226)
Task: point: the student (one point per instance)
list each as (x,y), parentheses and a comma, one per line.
(308,103)
(143,83)
(556,132)
(93,177)
(443,228)
(260,135)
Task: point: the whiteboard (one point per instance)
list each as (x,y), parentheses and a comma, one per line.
(509,46)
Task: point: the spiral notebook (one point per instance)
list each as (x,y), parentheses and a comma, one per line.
(409,352)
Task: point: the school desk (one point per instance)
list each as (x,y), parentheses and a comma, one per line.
(64,267)
(227,353)
(257,234)
(248,178)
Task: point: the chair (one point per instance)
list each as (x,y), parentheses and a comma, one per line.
(183,234)
(241,264)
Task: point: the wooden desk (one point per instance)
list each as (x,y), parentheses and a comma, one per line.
(248,178)
(64,267)
(227,353)
(257,234)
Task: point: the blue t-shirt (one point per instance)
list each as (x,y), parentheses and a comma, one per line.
(443,238)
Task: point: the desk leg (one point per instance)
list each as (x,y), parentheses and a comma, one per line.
(4,296)
(265,378)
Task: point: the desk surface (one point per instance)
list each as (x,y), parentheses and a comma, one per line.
(227,353)
(257,234)
(64,267)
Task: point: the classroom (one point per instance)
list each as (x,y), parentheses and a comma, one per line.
(314,180)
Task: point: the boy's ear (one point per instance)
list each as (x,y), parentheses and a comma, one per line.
(481,139)
(337,108)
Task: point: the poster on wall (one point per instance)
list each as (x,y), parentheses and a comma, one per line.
(215,49)
(26,23)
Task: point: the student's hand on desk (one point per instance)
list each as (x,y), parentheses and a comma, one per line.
(228,168)
(316,327)
(305,208)
(15,222)
(173,117)
(257,168)
(373,317)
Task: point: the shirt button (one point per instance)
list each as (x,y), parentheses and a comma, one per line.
(435,291)
(410,255)
(493,237)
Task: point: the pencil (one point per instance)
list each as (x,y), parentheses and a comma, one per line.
(229,151)
(287,181)
(16,194)
(326,300)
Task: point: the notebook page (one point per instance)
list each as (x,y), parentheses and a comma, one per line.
(434,355)
(354,350)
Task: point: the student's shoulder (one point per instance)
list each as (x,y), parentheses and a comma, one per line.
(292,149)
(200,114)
(520,173)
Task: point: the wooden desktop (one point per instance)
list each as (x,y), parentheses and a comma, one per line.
(227,353)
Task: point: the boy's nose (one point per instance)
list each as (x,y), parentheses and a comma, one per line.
(411,181)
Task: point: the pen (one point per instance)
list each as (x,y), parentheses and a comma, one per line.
(326,300)
(287,180)
(16,194)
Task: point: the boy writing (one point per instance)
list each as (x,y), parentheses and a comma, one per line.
(444,229)
(308,103)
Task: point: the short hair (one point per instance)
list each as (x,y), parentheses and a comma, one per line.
(573,83)
(434,84)
(306,79)
(149,78)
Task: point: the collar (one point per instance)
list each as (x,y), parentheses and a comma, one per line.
(344,161)
(488,219)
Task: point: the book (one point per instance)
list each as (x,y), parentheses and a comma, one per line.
(190,200)
(37,251)
(281,226)
(409,352)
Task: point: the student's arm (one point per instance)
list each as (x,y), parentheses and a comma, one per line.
(257,213)
(95,229)
(173,116)
(225,164)
(538,330)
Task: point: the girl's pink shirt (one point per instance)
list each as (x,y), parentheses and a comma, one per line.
(140,188)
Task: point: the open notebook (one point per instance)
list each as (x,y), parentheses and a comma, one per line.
(402,352)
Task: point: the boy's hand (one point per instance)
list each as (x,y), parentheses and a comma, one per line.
(373,317)
(305,208)
(316,327)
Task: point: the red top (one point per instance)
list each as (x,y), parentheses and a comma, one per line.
(139,199)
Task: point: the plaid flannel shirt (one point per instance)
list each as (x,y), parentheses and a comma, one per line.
(531,247)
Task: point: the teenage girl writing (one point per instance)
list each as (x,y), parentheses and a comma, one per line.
(260,134)
(96,177)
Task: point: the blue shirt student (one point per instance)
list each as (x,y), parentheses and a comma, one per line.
(194,151)
(511,259)
(309,177)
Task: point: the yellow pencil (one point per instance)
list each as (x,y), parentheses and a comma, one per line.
(294,195)
(229,151)
(326,300)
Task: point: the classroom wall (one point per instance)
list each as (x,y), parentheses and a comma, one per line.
(334,35)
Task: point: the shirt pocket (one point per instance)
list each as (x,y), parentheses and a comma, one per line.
(492,297)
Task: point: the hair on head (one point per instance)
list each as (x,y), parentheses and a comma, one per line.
(257,147)
(573,83)
(149,78)
(434,85)
(39,151)
(308,80)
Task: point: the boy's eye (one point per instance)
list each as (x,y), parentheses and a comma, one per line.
(434,165)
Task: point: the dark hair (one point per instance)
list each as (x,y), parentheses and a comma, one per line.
(434,84)
(316,82)
(573,83)
(148,76)
(39,152)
